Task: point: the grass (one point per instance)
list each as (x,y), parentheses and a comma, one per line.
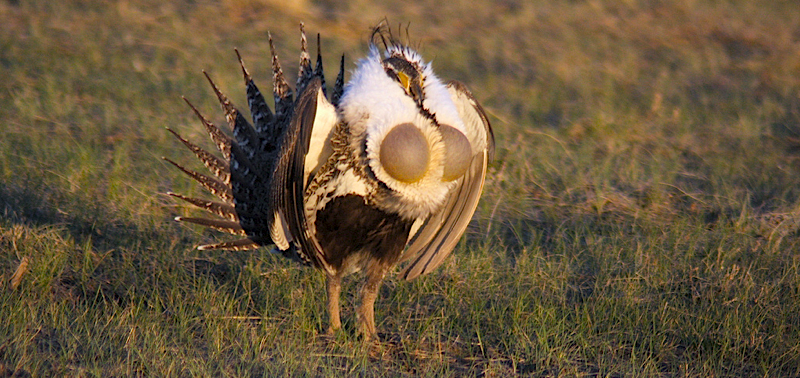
(641,217)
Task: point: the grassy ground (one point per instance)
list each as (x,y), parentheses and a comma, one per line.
(642,217)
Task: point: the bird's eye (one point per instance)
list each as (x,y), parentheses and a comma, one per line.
(458,152)
(407,75)
(404,153)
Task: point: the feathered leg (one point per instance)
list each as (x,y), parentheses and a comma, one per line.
(334,292)
(366,310)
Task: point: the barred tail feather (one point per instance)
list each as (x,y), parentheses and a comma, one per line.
(305,73)
(222,141)
(215,186)
(263,120)
(236,245)
(245,135)
(230,227)
(338,86)
(216,165)
(318,69)
(280,88)
(223,210)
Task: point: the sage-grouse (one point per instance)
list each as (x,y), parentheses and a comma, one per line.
(389,170)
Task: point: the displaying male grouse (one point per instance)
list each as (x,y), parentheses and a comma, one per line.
(389,170)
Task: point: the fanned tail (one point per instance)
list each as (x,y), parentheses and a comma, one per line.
(243,176)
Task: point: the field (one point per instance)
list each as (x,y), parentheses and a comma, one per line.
(641,218)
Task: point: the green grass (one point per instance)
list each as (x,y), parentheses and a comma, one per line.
(642,217)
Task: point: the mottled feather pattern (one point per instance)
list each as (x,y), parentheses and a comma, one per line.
(235,245)
(231,227)
(281,91)
(263,121)
(305,72)
(219,138)
(213,185)
(342,163)
(245,178)
(223,210)
(246,138)
(219,167)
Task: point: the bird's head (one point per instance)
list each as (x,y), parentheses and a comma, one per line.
(408,128)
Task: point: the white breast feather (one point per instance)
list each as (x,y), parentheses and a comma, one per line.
(371,92)
(372,104)
(439,102)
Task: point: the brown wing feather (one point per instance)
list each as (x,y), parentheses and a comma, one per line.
(440,233)
(289,187)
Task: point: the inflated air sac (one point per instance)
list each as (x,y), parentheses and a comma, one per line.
(458,152)
(404,153)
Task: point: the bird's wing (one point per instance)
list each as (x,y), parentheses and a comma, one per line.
(302,147)
(439,234)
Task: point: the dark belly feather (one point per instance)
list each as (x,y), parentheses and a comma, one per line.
(346,225)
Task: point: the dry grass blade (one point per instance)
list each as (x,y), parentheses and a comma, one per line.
(22,268)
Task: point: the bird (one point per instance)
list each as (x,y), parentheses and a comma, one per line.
(387,171)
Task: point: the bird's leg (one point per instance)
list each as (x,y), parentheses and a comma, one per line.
(366,311)
(334,290)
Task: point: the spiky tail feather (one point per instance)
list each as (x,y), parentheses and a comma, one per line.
(242,177)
